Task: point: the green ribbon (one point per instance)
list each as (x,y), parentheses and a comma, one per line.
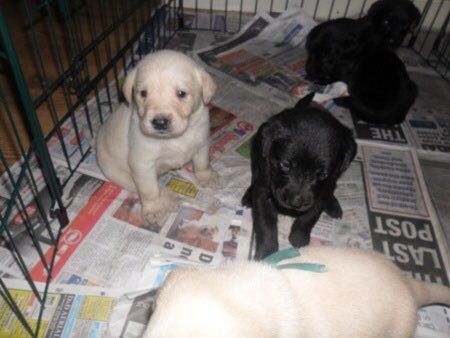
(279,256)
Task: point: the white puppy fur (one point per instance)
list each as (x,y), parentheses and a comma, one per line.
(362,294)
(164,126)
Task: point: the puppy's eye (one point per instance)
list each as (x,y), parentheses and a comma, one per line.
(321,175)
(143,93)
(285,166)
(386,22)
(181,94)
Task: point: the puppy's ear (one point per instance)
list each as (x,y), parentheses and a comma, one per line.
(304,102)
(349,154)
(271,131)
(127,87)
(208,85)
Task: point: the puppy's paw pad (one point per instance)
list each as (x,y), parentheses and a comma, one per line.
(208,178)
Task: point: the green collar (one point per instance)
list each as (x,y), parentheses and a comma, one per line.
(279,256)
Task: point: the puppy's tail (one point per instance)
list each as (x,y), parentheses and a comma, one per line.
(426,293)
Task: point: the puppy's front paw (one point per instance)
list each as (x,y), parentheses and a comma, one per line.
(264,250)
(334,209)
(157,210)
(207,178)
(298,239)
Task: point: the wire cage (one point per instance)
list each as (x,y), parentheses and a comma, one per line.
(60,59)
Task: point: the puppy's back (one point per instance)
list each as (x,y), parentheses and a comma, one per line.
(362,294)
(245,299)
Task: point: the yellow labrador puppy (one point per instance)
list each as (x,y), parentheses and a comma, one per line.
(361,294)
(164,126)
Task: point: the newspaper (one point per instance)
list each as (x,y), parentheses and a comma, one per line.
(430,131)
(414,62)
(109,244)
(426,128)
(437,178)
(70,311)
(268,58)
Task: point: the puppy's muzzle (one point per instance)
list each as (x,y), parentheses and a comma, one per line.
(291,200)
(302,203)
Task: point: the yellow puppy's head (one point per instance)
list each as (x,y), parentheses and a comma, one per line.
(167,87)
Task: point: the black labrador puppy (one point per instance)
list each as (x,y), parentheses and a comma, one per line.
(296,158)
(391,20)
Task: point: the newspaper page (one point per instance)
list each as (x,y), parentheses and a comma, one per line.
(70,311)
(430,131)
(437,177)
(414,62)
(267,57)
(388,134)
(76,195)
(108,243)
(133,310)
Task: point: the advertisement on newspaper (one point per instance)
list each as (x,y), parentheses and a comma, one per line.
(70,311)
(430,132)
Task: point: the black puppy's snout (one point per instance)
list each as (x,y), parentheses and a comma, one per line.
(302,202)
(161,123)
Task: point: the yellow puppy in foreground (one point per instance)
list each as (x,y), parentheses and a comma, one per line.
(361,294)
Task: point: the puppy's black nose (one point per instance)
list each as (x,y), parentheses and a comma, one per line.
(160,123)
(302,203)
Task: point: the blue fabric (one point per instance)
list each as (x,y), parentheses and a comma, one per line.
(279,256)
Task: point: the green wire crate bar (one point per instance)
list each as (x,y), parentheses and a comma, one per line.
(58,55)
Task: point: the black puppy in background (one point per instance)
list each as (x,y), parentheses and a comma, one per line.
(296,158)
(391,21)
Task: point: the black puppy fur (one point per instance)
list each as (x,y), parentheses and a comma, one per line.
(379,87)
(391,20)
(332,47)
(296,158)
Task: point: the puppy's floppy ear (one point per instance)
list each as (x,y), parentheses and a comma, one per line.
(208,85)
(271,131)
(305,101)
(349,153)
(128,84)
